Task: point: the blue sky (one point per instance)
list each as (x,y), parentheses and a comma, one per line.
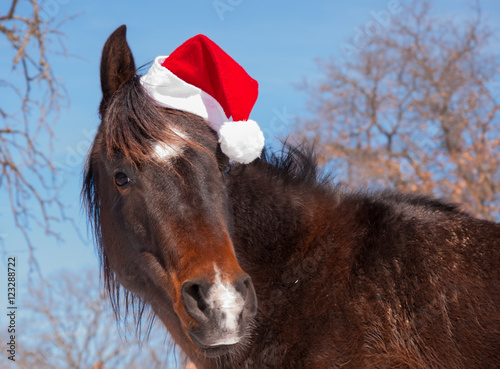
(277,42)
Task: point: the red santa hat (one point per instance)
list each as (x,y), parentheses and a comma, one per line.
(200,78)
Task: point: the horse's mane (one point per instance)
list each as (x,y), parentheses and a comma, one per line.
(296,164)
(120,298)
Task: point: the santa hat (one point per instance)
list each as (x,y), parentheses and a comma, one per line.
(200,78)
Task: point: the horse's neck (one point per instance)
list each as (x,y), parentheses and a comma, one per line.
(281,238)
(272,220)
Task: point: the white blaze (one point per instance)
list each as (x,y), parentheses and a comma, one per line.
(166,151)
(228,303)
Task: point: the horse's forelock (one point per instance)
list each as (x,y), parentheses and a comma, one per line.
(133,122)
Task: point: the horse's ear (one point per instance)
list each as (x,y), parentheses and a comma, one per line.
(117,65)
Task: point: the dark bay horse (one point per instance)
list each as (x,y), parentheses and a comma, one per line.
(267,265)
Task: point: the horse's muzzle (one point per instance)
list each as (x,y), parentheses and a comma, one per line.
(222,310)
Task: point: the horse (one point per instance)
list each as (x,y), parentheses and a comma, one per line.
(271,264)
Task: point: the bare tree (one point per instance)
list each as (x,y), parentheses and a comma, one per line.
(411,106)
(69,324)
(32,100)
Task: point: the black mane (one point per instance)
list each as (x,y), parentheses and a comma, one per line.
(296,164)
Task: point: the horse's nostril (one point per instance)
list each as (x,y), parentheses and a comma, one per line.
(243,285)
(194,292)
(248,294)
(194,299)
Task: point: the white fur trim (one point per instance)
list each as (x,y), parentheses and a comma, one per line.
(241,141)
(172,92)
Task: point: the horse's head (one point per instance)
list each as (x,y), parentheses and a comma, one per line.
(155,191)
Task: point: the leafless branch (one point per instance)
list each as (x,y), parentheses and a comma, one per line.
(26,132)
(413,109)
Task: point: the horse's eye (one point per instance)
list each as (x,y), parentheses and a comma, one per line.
(121,179)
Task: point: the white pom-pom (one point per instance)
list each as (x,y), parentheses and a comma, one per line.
(241,141)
